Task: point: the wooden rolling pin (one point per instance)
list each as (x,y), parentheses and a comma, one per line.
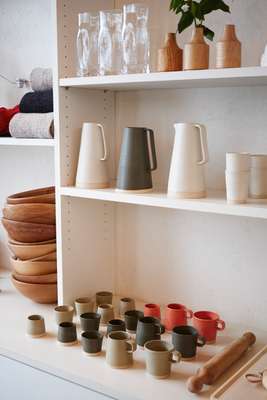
(218,364)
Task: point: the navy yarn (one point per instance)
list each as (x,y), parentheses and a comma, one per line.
(37,102)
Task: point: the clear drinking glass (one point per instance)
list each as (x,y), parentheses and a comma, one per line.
(87,44)
(135,38)
(110,42)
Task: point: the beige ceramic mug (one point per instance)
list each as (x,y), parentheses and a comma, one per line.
(63,314)
(159,357)
(106,312)
(83,305)
(35,326)
(120,348)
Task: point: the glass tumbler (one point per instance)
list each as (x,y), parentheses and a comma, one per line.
(110,42)
(135,38)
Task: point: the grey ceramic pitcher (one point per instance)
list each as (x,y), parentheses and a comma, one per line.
(135,166)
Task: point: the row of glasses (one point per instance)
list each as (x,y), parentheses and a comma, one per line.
(113,42)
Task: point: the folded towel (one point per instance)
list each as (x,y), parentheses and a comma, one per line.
(5,116)
(32,126)
(37,102)
(41,79)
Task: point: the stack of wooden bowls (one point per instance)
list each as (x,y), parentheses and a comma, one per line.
(29,219)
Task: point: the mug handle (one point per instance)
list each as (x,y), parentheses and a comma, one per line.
(201,341)
(189,314)
(159,329)
(203,143)
(104,142)
(175,356)
(220,325)
(150,135)
(132,344)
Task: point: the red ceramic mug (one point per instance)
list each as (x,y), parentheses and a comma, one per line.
(176,315)
(208,323)
(152,310)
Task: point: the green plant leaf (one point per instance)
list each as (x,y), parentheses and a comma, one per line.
(208,33)
(185,21)
(196,11)
(207,6)
(176,5)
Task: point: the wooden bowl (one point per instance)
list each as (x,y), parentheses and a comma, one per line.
(40,293)
(43,195)
(49,278)
(34,268)
(47,257)
(31,251)
(39,213)
(17,242)
(29,232)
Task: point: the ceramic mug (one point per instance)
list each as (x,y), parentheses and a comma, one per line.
(103,298)
(35,326)
(159,357)
(120,348)
(207,324)
(148,328)
(126,304)
(83,305)
(90,321)
(63,313)
(106,312)
(131,318)
(258,176)
(152,310)
(238,162)
(186,339)
(175,315)
(115,325)
(92,342)
(237,186)
(67,334)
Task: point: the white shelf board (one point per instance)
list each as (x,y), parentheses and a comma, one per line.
(10,141)
(214,203)
(248,76)
(93,373)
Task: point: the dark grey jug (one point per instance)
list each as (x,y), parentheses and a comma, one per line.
(134,172)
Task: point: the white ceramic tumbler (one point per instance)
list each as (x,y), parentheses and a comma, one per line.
(258,176)
(237,184)
(237,162)
(92,172)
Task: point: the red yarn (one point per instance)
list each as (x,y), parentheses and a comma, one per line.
(5,116)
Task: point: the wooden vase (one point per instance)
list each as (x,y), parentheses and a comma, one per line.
(196,52)
(228,49)
(170,57)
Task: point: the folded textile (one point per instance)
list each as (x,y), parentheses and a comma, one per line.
(37,102)
(32,126)
(41,79)
(5,116)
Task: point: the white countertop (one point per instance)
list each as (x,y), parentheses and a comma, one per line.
(92,372)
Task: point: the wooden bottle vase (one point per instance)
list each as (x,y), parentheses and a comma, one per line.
(196,52)
(228,49)
(170,57)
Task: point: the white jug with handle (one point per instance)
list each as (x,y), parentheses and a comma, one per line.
(92,170)
(190,153)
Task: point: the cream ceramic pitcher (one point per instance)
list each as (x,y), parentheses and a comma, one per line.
(190,153)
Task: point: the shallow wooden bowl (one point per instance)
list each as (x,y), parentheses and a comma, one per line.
(43,195)
(33,268)
(29,232)
(39,213)
(17,242)
(49,278)
(40,293)
(31,251)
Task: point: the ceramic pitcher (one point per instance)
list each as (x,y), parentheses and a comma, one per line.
(92,165)
(135,166)
(190,154)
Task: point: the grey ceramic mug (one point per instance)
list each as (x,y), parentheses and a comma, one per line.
(92,342)
(148,328)
(90,321)
(67,334)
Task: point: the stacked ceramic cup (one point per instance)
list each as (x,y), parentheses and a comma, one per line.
(237,177)
(258,176)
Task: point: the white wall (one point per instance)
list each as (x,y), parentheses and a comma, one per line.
(26,42)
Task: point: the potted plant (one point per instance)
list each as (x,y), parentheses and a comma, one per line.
(192,12)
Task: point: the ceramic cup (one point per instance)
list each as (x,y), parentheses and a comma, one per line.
(238,162)
(148,328)
(115,325)
(63,314)
(186,340)
(92,343)
(83,305)
(106,312)
(175,315)
(103,298)
(120,348)
(159,357)
(258,176)
(90,321)
(131,318)
(237,185)
(207,324)
(126,304)
(35,326)
(152,310)
(67,334)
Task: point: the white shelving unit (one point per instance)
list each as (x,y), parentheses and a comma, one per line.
(7,141)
